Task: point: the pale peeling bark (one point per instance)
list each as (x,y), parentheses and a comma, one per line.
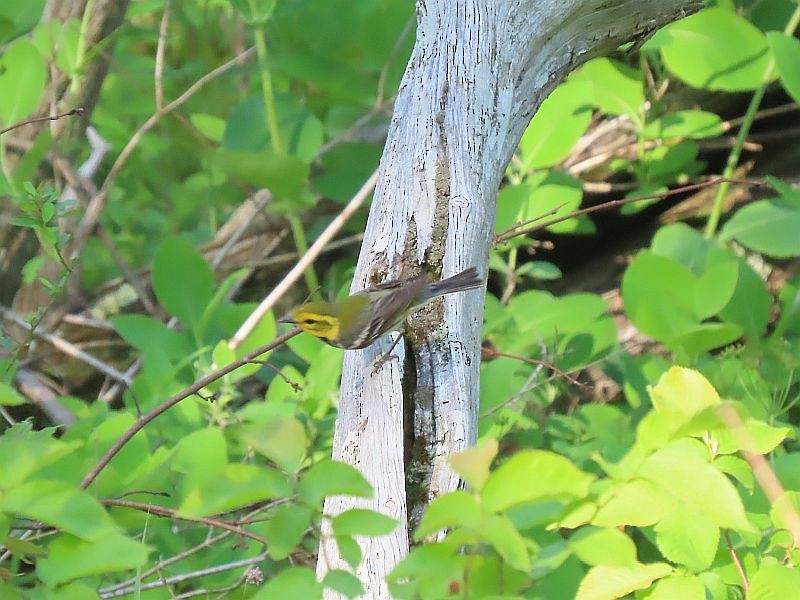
(478,72)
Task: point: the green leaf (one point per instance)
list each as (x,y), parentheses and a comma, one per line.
(683,587)
(558,124)
(23,452)
(62,505)
(66,47)
(72,558)
(210,126)
(774,582)
(605,582)
(690,124)
(681,470)
(236,486)
(162,346)
(332,478)
(790,308)
(766,226)
(9,396)
(683,244)
(750,306)
(618,88)
(603,546)
(737,468)
(660,306)
(758,437)
(343,582)
(507,542)
(683,391)
(300,130)
(786,50)
(638,503)
(285,175)
(533,475)
(539,269)
(349,550)
(714,49)
(283,440)
(182,280)
(362,521)
(716,286)
(264,331)
(286,528)
(345,168)
(456,509)
(22,548)
(560,194)
(200,455)
(18,18)
(669,162)
(112,479)
(433,566)
(255,12)
(688,537)
(472,464)
(294,582)
(22,77)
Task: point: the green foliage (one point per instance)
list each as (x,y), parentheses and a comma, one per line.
(714,49)
(670,486)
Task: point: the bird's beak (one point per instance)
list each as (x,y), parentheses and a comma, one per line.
(287,319)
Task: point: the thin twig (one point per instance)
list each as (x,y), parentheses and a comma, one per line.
(183,394)
(69,113)
(297,271)
(737,563)
(514,231)
(237,564)
(163,511)
(207,543)
(491,353)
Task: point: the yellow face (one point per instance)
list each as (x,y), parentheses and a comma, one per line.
(318,319)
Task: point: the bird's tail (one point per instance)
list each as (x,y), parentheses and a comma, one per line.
(466,280)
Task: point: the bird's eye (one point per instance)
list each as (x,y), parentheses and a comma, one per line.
(311,321)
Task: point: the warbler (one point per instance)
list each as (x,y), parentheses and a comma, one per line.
(364,317)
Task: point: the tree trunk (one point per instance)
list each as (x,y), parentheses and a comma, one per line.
(478,72)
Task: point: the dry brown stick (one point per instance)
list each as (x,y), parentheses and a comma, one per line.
(65,347)
(97,203)
(163,511)
(183,394)
(296,272)
(765,476)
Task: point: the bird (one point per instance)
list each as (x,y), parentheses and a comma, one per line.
(357,321)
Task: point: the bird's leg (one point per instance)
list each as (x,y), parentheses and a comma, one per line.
(386,356)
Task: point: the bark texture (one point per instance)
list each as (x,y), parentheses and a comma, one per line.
(478,72)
